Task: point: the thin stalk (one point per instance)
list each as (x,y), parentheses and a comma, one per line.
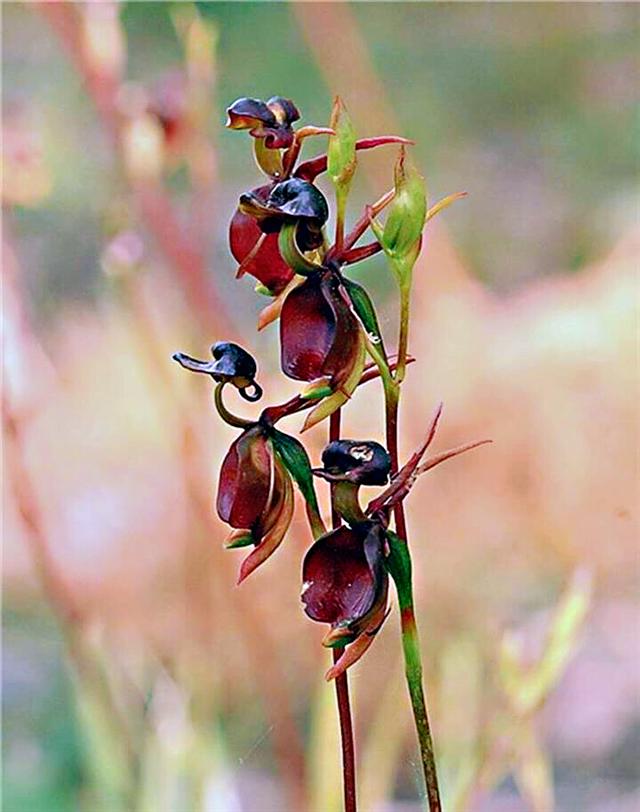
(341,210)
(403,339)
(363,223)
(225,414)
(410,642)
(342,683)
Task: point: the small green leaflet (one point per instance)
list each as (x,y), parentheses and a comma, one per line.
(296,461)
(398,563)
(366,312)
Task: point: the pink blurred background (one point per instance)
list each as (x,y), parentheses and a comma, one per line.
(133,668)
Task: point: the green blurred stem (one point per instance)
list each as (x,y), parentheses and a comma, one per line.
(410,642)
(342,684)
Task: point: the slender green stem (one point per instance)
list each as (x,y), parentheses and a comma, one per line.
(410,643)
(413,671)
(341,208)
(403,340)
(342,683)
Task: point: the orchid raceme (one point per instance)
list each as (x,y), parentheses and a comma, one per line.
(328,326)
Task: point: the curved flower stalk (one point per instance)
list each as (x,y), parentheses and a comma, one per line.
(328,326)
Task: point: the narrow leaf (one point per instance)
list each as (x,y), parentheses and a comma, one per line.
(398,564)
(366,312)
(296,461)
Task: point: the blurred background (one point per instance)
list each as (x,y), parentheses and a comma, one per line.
(136,676)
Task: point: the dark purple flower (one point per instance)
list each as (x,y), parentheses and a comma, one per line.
(254,228)
(231,364)
(292,200)
(361,462)
(270,121)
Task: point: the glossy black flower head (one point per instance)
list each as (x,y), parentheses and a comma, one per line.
(292,200)
(362,462)
(255,496)
(231,364)
(270,121)
(345,582)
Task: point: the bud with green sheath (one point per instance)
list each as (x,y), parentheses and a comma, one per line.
(341,161)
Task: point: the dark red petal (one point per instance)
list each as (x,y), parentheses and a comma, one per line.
(319,333)
(343,575)
(245,477)
(275,137)
(272,526)
(356,650)
(267,265)
(341,357)
(307,331)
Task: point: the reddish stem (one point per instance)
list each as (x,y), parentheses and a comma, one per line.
(346,732)
(309,170)
(364,222)
(358,254)
(342,683)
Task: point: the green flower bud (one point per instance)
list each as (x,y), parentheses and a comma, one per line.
(341,162)
(400,237)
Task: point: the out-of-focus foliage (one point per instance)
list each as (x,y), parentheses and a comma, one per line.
(144,673)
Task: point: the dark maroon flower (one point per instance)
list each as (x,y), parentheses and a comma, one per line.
(255,496)
(345,582)
(257,252)
(319,334)
(270,121)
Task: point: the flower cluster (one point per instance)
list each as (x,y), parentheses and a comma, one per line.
(328,327)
